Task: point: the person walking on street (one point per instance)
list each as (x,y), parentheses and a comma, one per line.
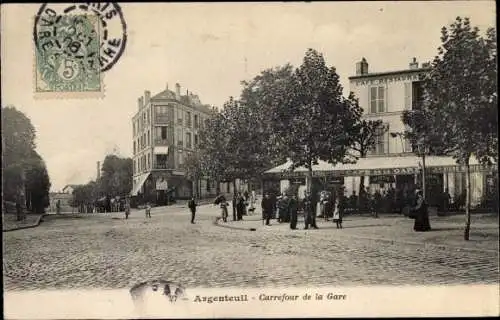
(267,208)
(310,212)
(292,211)
(235,205)
(192,207)
(420,214)
(127,207)
(240,206)
(338,214)
(148,210)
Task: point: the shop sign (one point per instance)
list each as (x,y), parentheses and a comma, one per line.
(381,179)
(299,181)
(335,181)
(161,184)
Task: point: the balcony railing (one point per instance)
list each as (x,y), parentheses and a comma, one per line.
(161,142)
(161,166)
(160,118)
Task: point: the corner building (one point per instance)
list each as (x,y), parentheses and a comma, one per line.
(392,162)
(165,131)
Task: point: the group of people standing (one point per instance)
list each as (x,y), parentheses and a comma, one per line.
(286,209)
(242,203)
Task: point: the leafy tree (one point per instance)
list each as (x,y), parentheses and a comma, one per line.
(193,168)
(316,121)
(24,172)
(214,148)
(365,134)
(116,178)
(460,93)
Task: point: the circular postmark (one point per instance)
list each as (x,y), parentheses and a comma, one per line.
(68,33)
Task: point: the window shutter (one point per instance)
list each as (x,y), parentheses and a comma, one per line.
(386,149)
(408,93)
(373,100)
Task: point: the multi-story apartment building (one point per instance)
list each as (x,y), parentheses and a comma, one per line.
(392,162)
(165,130)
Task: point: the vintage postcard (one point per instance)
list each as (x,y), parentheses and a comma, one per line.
(249,160)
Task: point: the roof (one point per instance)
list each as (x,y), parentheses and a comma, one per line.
(185,100)
(389,73)
(71,186)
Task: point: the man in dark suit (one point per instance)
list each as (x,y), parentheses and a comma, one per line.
(309,212)
(292,211)
(267,208)
(192,207)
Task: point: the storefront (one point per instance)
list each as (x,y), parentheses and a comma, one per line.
(402,173)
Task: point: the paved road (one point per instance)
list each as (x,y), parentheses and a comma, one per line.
(107,251)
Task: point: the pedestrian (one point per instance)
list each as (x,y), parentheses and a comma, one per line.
(446,201)
(310,216)
(192,207)
(148,210)
(235,204)
(420,213)
(127,207)
(338,214)
(267,208)
(58,206)
(240,206)
(292,211)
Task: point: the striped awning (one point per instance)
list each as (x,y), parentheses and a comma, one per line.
(139,183)
(373,166)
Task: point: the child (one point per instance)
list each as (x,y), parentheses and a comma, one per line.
(148,210)
(337,213)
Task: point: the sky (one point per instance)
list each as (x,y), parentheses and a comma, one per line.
(204,48)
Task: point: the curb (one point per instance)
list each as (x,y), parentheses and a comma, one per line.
(36,224)
(426,245)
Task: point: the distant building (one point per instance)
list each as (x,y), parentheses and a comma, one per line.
(69,188)
(165,131)
(65,199)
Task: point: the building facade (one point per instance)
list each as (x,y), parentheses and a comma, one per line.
(392,163)
(165,131)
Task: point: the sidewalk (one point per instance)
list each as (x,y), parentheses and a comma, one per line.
(447,232)
(10,223)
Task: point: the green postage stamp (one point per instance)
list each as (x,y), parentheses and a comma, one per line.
(75,44)
(67,55)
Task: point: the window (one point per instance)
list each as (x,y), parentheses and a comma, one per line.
(196,122)
(134,147)
(377,99)
(179,116)
(133,125)
(179,137)
(188,139)
(188,119)
(149,119)
(133,168)
(149,161)
(381,142)
(408,94)
(149,138)
(195,140)
(180,156)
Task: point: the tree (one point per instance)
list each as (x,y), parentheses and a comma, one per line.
(460,93)
(365,134)
(24,172)
(193,168)
(213,148)
(315,120)
(116,178)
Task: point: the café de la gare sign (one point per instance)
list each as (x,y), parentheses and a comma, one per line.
(382,172)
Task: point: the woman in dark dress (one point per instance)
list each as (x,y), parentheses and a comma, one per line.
(421,214)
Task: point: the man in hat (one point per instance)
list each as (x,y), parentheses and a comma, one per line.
(267,208)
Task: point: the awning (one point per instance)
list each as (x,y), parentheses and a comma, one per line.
(160,150)
(140,181)
(372,166)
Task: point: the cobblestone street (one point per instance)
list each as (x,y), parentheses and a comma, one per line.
(107,251)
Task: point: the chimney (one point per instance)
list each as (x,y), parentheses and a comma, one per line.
(166,87)
(98,170)
(147,97)
(140,102)
(362,67)
(177,91)
(414,64)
